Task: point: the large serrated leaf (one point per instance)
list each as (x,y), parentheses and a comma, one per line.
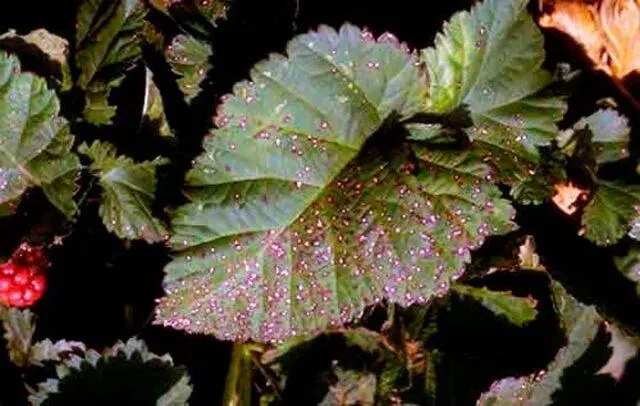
(108,44)
(489,59)
(127,373)
(296,222)
(35,142)
(128,190)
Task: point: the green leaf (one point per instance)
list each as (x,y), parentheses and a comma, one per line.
(194,15)
(490,59)
(189,58)
(296,222)
(518,310)
(128,189)
(612,213)
(108,44)
(45,53)
(153,108)
(608,137)
(35,142)
(18,332)
(581,324)
(126,373)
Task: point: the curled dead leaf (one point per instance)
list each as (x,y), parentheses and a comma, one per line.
(566,196)
(608,30)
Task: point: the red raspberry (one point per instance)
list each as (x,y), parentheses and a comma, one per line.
(22,276)
(38,283)
(5,283)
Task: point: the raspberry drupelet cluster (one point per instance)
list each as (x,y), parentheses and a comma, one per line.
(22,279)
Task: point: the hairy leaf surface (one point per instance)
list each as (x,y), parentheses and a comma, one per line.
(128,190)
(35,142)
(299,218)
(489,59)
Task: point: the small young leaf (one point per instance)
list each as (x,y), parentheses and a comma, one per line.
(46,52)
(35,142)
(153,108)
(296,222)
(128,189)
(18,332)
(189,58)
(612,213)
(518,310)
(490,60)
(108,44)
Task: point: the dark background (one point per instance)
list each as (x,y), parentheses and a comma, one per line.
(101,289)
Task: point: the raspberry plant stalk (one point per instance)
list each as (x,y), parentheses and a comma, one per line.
(357,218)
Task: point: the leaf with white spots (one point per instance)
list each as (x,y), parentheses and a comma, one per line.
(490,59)
(108,39)
(308,205)
(35,142)
(189,58)
(128,190)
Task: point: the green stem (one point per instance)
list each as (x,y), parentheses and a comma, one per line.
(237,390)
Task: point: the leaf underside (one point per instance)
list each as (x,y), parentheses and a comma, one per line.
(296,222)
(35,142)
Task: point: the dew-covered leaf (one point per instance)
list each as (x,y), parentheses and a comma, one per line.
(108,44)
(189,58)
(489,59)
(518,310)
(42,51)
(153,108)
(612,213)
(128,190)
(299,218)
(581,324)
(35,142)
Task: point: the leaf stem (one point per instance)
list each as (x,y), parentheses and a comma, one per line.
(237,391)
